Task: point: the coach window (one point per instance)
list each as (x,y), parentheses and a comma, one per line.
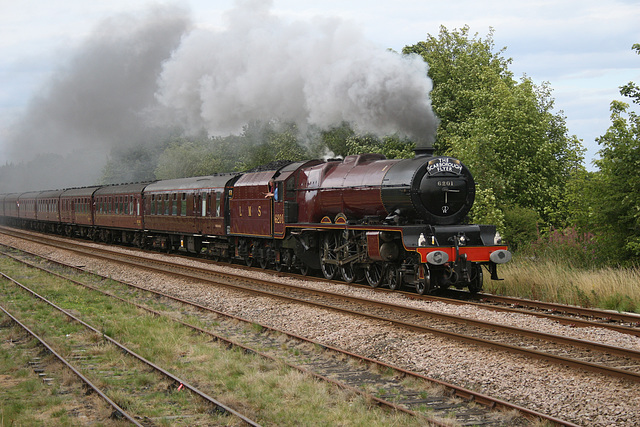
(183,205)
(174,205)
(218,199)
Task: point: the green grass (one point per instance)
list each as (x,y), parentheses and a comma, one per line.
(270,393)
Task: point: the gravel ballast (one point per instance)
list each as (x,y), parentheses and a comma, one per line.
(584,398)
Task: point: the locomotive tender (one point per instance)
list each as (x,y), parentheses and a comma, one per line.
(390,222)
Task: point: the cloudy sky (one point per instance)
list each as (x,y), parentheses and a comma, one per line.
(581,47)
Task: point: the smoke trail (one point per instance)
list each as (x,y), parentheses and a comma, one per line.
(95,101)
(138,75)
(322,72)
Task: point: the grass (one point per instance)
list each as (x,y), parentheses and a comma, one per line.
(271,393)
(556,281)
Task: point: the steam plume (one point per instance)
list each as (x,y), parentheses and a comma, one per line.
(138,76)
(95,102)
(321,72)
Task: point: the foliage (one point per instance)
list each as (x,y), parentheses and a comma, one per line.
(617,207)
(521,226)
(610,197)
(632,90)
(486,210)
(503,130)
(273,143)
(335,139)
(132,164)
(569,245)
(391,147)
(185,158)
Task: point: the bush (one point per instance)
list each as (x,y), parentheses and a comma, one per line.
(568,246)
(521,226)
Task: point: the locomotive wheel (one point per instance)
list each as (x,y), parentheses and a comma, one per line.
(285,260)
(278,265)
(475,285)
(304,269)
(264,262)
(348,273)
(393,277)
(424,286)
(374,274)
(328,268)
(248,261)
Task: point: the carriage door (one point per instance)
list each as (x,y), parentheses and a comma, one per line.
(278,211)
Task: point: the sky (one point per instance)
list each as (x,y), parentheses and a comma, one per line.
(582,48)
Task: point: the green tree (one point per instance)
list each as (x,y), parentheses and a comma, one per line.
(274,142)
(614,191)
(131,164)
(618,202)
(185,158)
(391,147)
(336,138)
(631,89)
(505,131)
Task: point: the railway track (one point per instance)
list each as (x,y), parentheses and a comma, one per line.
(575,316)
(566,351)
(98,366)
(332,367)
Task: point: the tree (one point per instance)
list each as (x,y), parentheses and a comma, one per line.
(616,208)
(631,89)
(276,142)
(391,147)
(131,164)
(505,131)
(618,204)
(184,158)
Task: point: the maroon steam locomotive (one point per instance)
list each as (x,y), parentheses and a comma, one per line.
(390,222)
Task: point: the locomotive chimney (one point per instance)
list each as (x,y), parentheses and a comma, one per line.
(424,143)
(423,151)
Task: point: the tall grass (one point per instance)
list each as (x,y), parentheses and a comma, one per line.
(565,267)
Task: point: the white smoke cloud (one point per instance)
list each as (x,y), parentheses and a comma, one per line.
(94,102)
(139,75)
(321,72)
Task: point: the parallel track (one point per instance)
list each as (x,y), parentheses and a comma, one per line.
(459,391)
(219,406)
(335,301)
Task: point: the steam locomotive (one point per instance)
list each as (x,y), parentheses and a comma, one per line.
(366,218)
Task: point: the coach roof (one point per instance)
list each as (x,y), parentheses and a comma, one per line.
(189,184)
